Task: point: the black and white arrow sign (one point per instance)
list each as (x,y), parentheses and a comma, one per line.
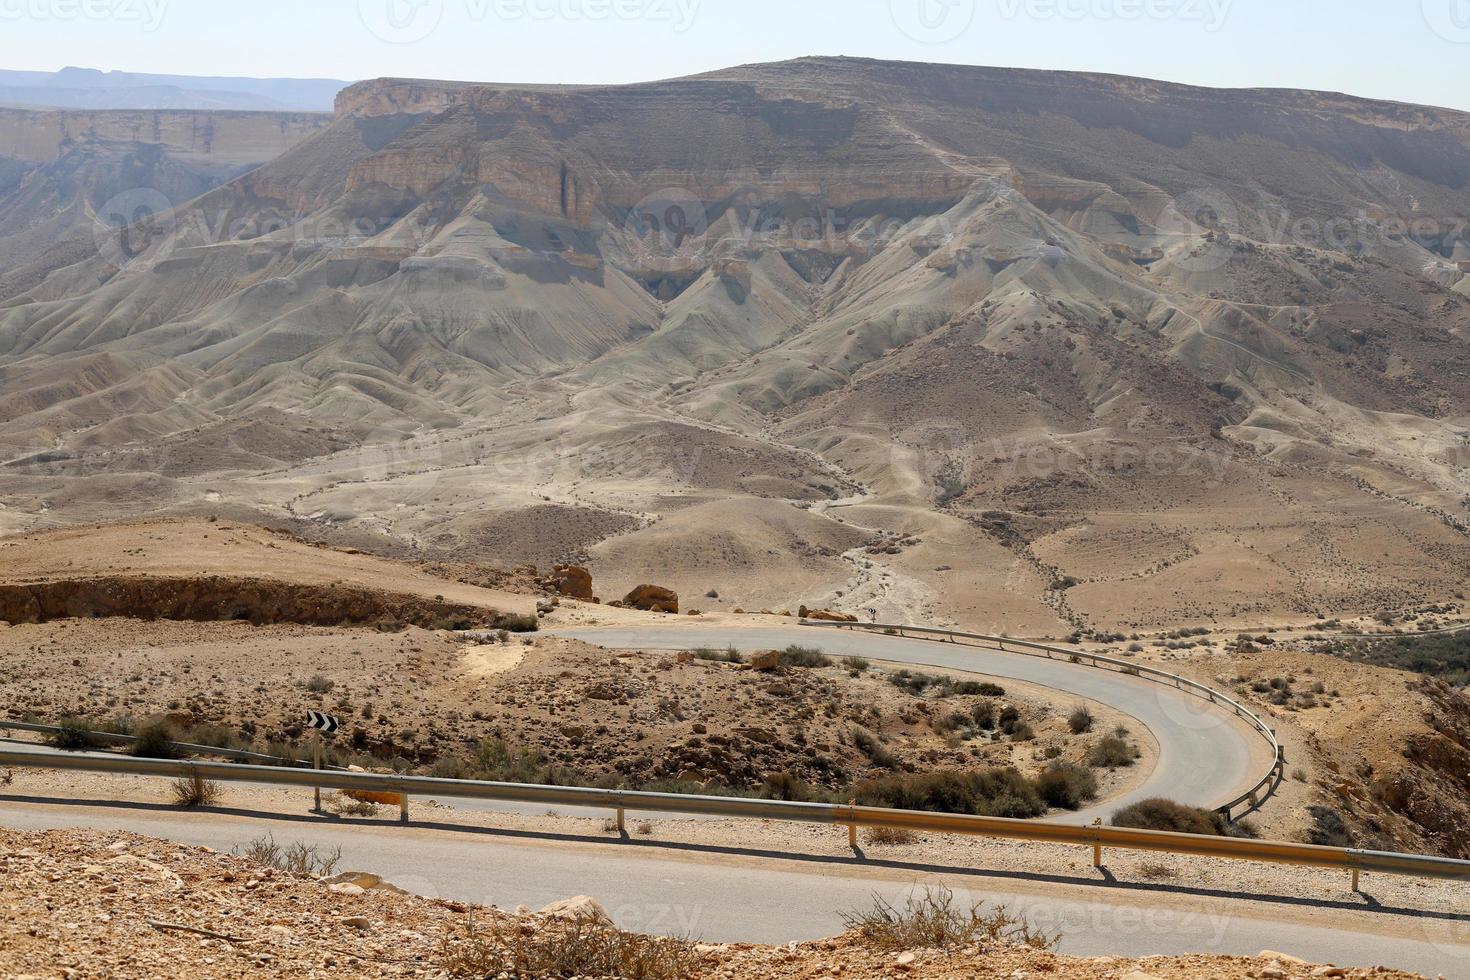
(322,722)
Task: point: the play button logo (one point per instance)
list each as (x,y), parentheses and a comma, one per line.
(932,21)
(1450,19)
(400,21)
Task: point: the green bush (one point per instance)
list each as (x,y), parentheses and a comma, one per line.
(987,792)
(1066,786)
(156,741)
(799,656)
(517,622)
(74,735)
(1112,752)
(1163,814)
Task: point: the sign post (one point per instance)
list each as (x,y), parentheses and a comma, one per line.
(323,724)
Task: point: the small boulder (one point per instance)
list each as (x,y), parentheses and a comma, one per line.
(579,909)
(765,660)
(652,598)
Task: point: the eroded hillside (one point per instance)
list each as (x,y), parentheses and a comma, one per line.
(1031,351)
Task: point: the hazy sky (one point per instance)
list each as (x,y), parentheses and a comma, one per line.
(1410,50)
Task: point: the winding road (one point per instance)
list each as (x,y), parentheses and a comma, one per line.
(730,893)
(1206,756)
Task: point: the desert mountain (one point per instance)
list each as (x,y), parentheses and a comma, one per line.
(1026,350)
(88,88)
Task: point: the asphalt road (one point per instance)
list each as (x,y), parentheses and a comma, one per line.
(1205,754)
(724,895)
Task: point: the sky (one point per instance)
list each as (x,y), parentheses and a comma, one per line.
(1405,50)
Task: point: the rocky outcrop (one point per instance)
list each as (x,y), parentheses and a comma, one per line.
(826,615)
(570,580)
(223,598)
(652,598)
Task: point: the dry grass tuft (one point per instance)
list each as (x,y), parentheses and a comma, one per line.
(891,835)
(297,858)
(567,949)
(933,921)
(194,790)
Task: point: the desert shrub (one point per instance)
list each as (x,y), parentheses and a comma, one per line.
(156,741)
(348,806)
(517,622)
(1329,828)
(1154,871)
(74,735)
(1022,732)
(729,655)
(567,949)
(296,858)
(217,736)
(952,722)
(983,714)
(1162,814)
(320,685)
(890,836)
(1066,786)
(934,921)
(871,746)
(984,689)
(987,792)
(495,760)
(1080,720)
(856,663)
(194,790)
(1112,752)
(799,656)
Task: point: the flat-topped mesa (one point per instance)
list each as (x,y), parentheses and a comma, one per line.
(398,96)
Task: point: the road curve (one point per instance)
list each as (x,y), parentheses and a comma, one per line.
(1205,755)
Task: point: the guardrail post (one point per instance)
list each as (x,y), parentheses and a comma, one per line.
(403,808)
(1097,855)
(1355,881)
(621,828)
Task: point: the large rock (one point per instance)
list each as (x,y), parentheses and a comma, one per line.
(826,615)
(765,660)
(652,598)
(571,580)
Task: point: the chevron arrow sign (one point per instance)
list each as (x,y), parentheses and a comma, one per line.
(323,722)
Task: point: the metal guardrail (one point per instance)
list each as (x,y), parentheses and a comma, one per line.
(1095,836)
(1252,796)
(115,738)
